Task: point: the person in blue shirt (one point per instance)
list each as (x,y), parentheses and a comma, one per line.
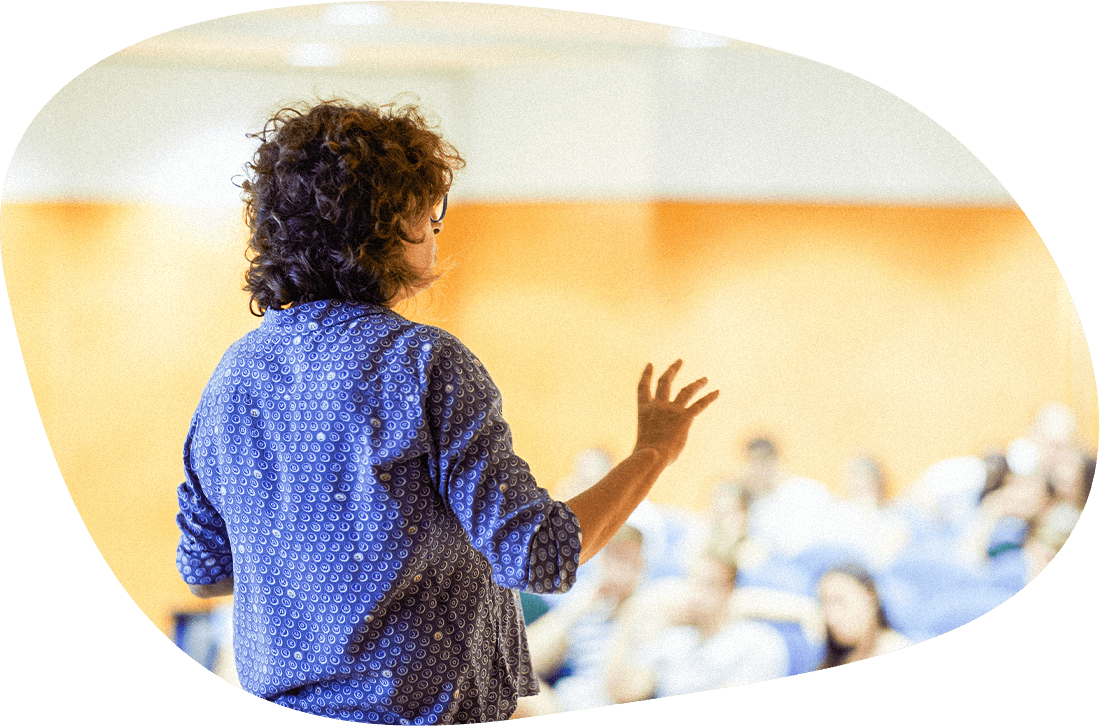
(349,476)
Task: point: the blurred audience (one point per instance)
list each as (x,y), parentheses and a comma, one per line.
(721,528)
(862,521)
(780,576)
(1009,506)
(688,636)
(1070,472)
(944,496)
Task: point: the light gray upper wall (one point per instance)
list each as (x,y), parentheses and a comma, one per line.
(685,124)
(171,135)
(774,126)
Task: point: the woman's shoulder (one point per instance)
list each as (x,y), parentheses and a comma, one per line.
(418,340)
(890,640)
(445,351)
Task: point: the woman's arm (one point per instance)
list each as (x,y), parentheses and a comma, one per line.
(663,426)
(604,507)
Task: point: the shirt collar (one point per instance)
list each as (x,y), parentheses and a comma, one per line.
(319,313)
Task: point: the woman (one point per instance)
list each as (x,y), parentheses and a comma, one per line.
(856,627)
(349,477)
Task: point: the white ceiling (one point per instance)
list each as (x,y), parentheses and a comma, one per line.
(412,37)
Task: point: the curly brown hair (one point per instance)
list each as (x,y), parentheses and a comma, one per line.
(329,195)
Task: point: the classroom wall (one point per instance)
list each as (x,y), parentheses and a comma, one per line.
(911,332)
(744,123)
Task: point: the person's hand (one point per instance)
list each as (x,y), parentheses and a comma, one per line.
(663,423)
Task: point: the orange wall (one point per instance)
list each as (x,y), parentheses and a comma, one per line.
(911,333)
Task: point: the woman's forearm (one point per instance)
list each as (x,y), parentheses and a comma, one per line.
(603,508)
(663,424)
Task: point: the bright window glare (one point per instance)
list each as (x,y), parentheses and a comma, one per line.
(356,14)
(684,38)
(314,54)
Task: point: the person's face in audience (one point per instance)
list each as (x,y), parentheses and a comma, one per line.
(851,612)
(710,586)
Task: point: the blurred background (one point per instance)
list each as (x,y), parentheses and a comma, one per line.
(852,278)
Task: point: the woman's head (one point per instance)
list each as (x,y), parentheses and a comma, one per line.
(710,583)
(339,201)
(852,610)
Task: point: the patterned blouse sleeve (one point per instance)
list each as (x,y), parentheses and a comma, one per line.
(531,541)
(203,556)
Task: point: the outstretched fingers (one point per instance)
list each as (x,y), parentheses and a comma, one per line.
(664,387)
(664,383)
(697,408)
(644,395)
(688,391)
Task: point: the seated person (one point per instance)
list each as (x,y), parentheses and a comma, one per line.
(570,644)
(862,521)
(1010,500)
(856,627)
(685,637)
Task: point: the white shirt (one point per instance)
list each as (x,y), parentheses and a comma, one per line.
(792,517)
(742,652)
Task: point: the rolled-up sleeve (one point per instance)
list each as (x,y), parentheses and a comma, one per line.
(531,541)
(204,555)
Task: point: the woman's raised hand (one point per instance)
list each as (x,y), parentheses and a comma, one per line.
(663,423)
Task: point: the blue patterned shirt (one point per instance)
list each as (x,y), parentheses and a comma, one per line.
(353,473)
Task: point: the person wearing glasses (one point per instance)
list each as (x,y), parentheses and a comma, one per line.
(349,477)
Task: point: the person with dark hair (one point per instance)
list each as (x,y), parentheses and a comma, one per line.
(856,626)
(786,513)
(349,477)
(1009,507)
(338,204)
